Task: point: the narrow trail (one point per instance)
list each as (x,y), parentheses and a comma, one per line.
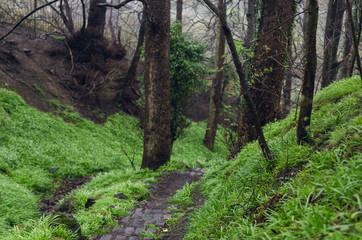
(154,211)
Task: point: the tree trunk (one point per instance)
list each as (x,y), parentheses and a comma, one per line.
(309,74)
(243,83)
(132,70)
(96,18)
(332,35)
(250,17)
(216,89)
(111,27)
(179,10)
(268,68)
(287,89)
(347,51)
(355,38)
(157,134)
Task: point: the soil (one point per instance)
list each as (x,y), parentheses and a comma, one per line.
(45,67)
(50,204)
(155,211)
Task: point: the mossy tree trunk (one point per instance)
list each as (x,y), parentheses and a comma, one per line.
(268,68)
(216,89)
(309,74)
(332,35)
(157,135)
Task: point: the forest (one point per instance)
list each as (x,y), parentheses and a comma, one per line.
(180,119)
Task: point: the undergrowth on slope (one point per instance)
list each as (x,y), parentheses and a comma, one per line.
(313,192)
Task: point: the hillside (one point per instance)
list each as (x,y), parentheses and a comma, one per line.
(306,192)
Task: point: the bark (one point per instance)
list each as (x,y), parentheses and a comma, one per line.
(96,18)
(243,83)
(157,134)
(332,35)
(68,12)
(216,89)
(268,68)
(132,70)
(287,89)
(309,74)
(111,27)
(250,17)
(354,37)
(179,7)
(347,53)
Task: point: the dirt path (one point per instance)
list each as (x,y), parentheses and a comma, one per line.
(154,211)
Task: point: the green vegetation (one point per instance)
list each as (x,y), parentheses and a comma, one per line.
(33,144)
(187,71)
(311,192)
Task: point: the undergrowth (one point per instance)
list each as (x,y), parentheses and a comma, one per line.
(313,192)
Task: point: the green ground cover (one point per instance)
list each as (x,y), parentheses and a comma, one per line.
(307,192)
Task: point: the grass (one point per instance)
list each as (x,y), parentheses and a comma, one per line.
(318,187)
(321,196)
(32,142)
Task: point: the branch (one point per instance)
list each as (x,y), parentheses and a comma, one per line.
(24,18)
(118,6)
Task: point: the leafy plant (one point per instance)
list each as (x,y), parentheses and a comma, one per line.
(187,69)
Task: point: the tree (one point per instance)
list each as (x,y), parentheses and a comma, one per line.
(309,74)
(96,18)
(216,88)
(157,133)
(268,67)
(187,69)
(179,7)
(332,35)
(243,83)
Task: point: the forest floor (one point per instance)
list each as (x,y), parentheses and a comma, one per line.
(155,218)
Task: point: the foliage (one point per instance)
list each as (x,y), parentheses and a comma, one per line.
(187,68)
(317,187)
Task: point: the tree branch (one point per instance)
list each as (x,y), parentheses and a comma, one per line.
(24,18)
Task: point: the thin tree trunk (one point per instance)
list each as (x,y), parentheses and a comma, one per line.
(287,89)
(132,70)
(157,132)
(216,89)
(244,84)
(250,17)
(347,52)
(68,12)
(309,74)
(355,40)
(179,9)
(332,35)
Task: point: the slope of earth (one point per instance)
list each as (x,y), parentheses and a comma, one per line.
(44,71)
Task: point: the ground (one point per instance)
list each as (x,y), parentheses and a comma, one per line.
(152,215)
